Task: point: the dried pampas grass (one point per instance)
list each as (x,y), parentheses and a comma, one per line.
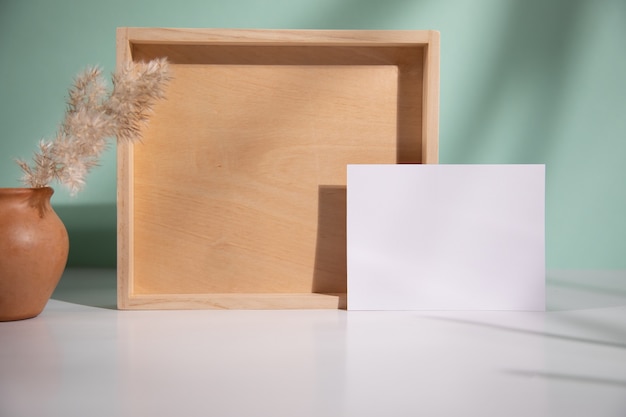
(94,115)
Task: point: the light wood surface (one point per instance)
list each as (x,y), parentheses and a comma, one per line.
(236,197)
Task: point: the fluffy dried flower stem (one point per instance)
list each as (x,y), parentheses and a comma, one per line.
(95,114)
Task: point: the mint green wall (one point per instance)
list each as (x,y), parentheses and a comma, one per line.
(522,81)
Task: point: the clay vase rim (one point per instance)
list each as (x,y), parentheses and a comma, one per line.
(23,189)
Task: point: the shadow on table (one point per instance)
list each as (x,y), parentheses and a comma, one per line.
(539,333)
(620,383)
(568,294)
(94,287)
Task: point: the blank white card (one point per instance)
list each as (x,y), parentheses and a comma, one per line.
(446,237)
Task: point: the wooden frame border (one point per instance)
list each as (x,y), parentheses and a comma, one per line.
(128,37)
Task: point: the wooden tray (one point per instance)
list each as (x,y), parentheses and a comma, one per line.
(236,198)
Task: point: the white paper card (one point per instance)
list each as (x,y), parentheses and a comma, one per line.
(446,237)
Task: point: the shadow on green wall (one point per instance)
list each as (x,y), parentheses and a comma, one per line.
(532,56)
(93,234)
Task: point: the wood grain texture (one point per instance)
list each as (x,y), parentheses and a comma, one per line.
(236,197)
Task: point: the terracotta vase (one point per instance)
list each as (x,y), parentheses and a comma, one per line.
(34,247)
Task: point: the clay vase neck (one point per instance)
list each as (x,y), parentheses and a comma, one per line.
(34,247)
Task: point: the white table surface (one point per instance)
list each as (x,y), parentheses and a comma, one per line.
(81,357)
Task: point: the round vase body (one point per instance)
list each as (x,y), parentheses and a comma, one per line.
(34,246)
